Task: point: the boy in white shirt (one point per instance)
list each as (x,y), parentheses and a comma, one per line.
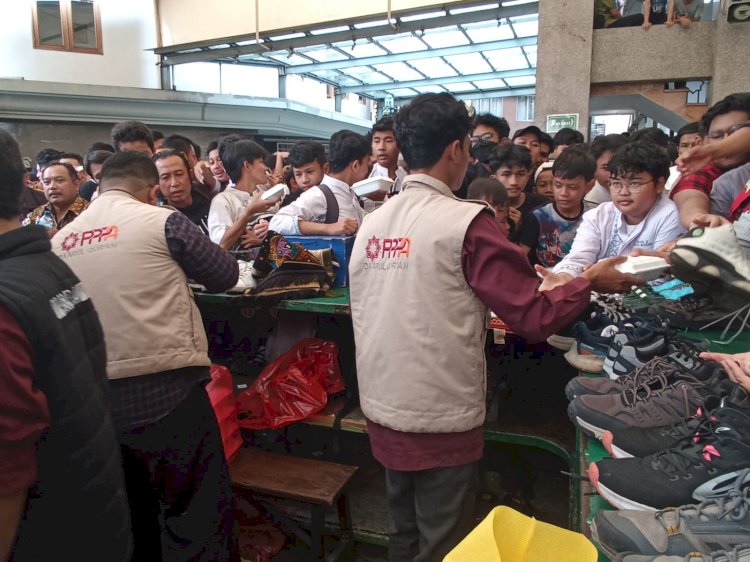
(313,213)
(233,208)
(386,151)
(637,216)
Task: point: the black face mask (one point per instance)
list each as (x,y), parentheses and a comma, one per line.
(483,150)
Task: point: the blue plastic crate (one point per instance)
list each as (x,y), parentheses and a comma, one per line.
(341,246)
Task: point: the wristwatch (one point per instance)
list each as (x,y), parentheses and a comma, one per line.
(737,127)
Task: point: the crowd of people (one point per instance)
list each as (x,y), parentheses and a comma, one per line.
(127,435)
(645,13)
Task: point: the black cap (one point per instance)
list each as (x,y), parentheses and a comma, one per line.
(533,129)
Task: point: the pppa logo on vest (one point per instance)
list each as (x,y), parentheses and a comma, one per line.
(387,253)
(95,236)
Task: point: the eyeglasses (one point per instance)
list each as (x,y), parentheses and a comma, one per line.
(631,186)
(719,135)
(487,137)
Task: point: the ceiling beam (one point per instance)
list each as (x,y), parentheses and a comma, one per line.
(441,81)
(413,55)
(175,54)
(487,94)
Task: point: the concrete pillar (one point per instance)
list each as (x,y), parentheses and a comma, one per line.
(731,51)
(282,83)
(563,74)
(337,97)
(166,77)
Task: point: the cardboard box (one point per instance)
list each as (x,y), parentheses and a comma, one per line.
(341,246)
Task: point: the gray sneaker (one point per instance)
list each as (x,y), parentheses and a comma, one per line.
(717,523)
(668,397)
(625,354)
(737,554)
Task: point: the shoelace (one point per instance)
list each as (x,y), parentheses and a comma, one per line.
(735,505)
(642,378)
(732,316)
(695,429)
(677,461)
(645,392)
(612,306)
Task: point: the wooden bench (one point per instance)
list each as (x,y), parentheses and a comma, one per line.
(315,484)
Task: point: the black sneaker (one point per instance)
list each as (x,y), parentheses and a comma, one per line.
(627,354)
(641,442)
(671,395)
(692,312)
(591,345)
(717,523)
(695,471)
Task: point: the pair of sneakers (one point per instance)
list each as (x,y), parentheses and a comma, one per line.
(663,391)
(592,344)
(692,530)
(701,466)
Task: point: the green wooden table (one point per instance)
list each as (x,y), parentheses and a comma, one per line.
(335,301)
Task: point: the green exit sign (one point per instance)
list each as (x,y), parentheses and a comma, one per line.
(738,12)
(560,121)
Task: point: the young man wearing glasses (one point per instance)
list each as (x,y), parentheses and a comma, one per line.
(488,131)
(692,191)
(637,217)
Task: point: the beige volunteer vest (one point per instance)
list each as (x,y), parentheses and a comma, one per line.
(118,249)
(418,326)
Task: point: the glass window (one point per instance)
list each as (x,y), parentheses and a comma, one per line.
(525,108)
(83,21)
(49,24)
(67,25)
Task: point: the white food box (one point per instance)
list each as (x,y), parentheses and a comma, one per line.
(275,193)
(372,185)
(646,268)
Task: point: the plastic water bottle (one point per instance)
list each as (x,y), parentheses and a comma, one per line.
(46,220)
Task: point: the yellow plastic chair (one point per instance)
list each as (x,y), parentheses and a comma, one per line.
(506,535)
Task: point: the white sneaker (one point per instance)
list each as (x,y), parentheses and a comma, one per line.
(246,281)
(712,259)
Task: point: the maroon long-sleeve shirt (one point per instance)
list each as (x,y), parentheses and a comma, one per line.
(500,275)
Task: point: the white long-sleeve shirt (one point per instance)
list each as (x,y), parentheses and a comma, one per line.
(311,206)
(604,234)
(226,208)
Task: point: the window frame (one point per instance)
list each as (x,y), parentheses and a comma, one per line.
(66,24)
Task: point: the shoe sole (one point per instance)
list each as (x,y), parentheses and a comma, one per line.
(588,428)
(582,362)
(618,501)
(707,270)
(563,343)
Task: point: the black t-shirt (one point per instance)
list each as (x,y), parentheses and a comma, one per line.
(198,211)
(531,202)
(87,189)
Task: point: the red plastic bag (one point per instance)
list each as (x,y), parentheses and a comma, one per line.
(220,392)
(293,387)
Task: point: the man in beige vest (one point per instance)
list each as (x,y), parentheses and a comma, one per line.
(424,270)
(134,260)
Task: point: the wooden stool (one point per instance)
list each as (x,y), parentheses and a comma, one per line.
(319,484)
